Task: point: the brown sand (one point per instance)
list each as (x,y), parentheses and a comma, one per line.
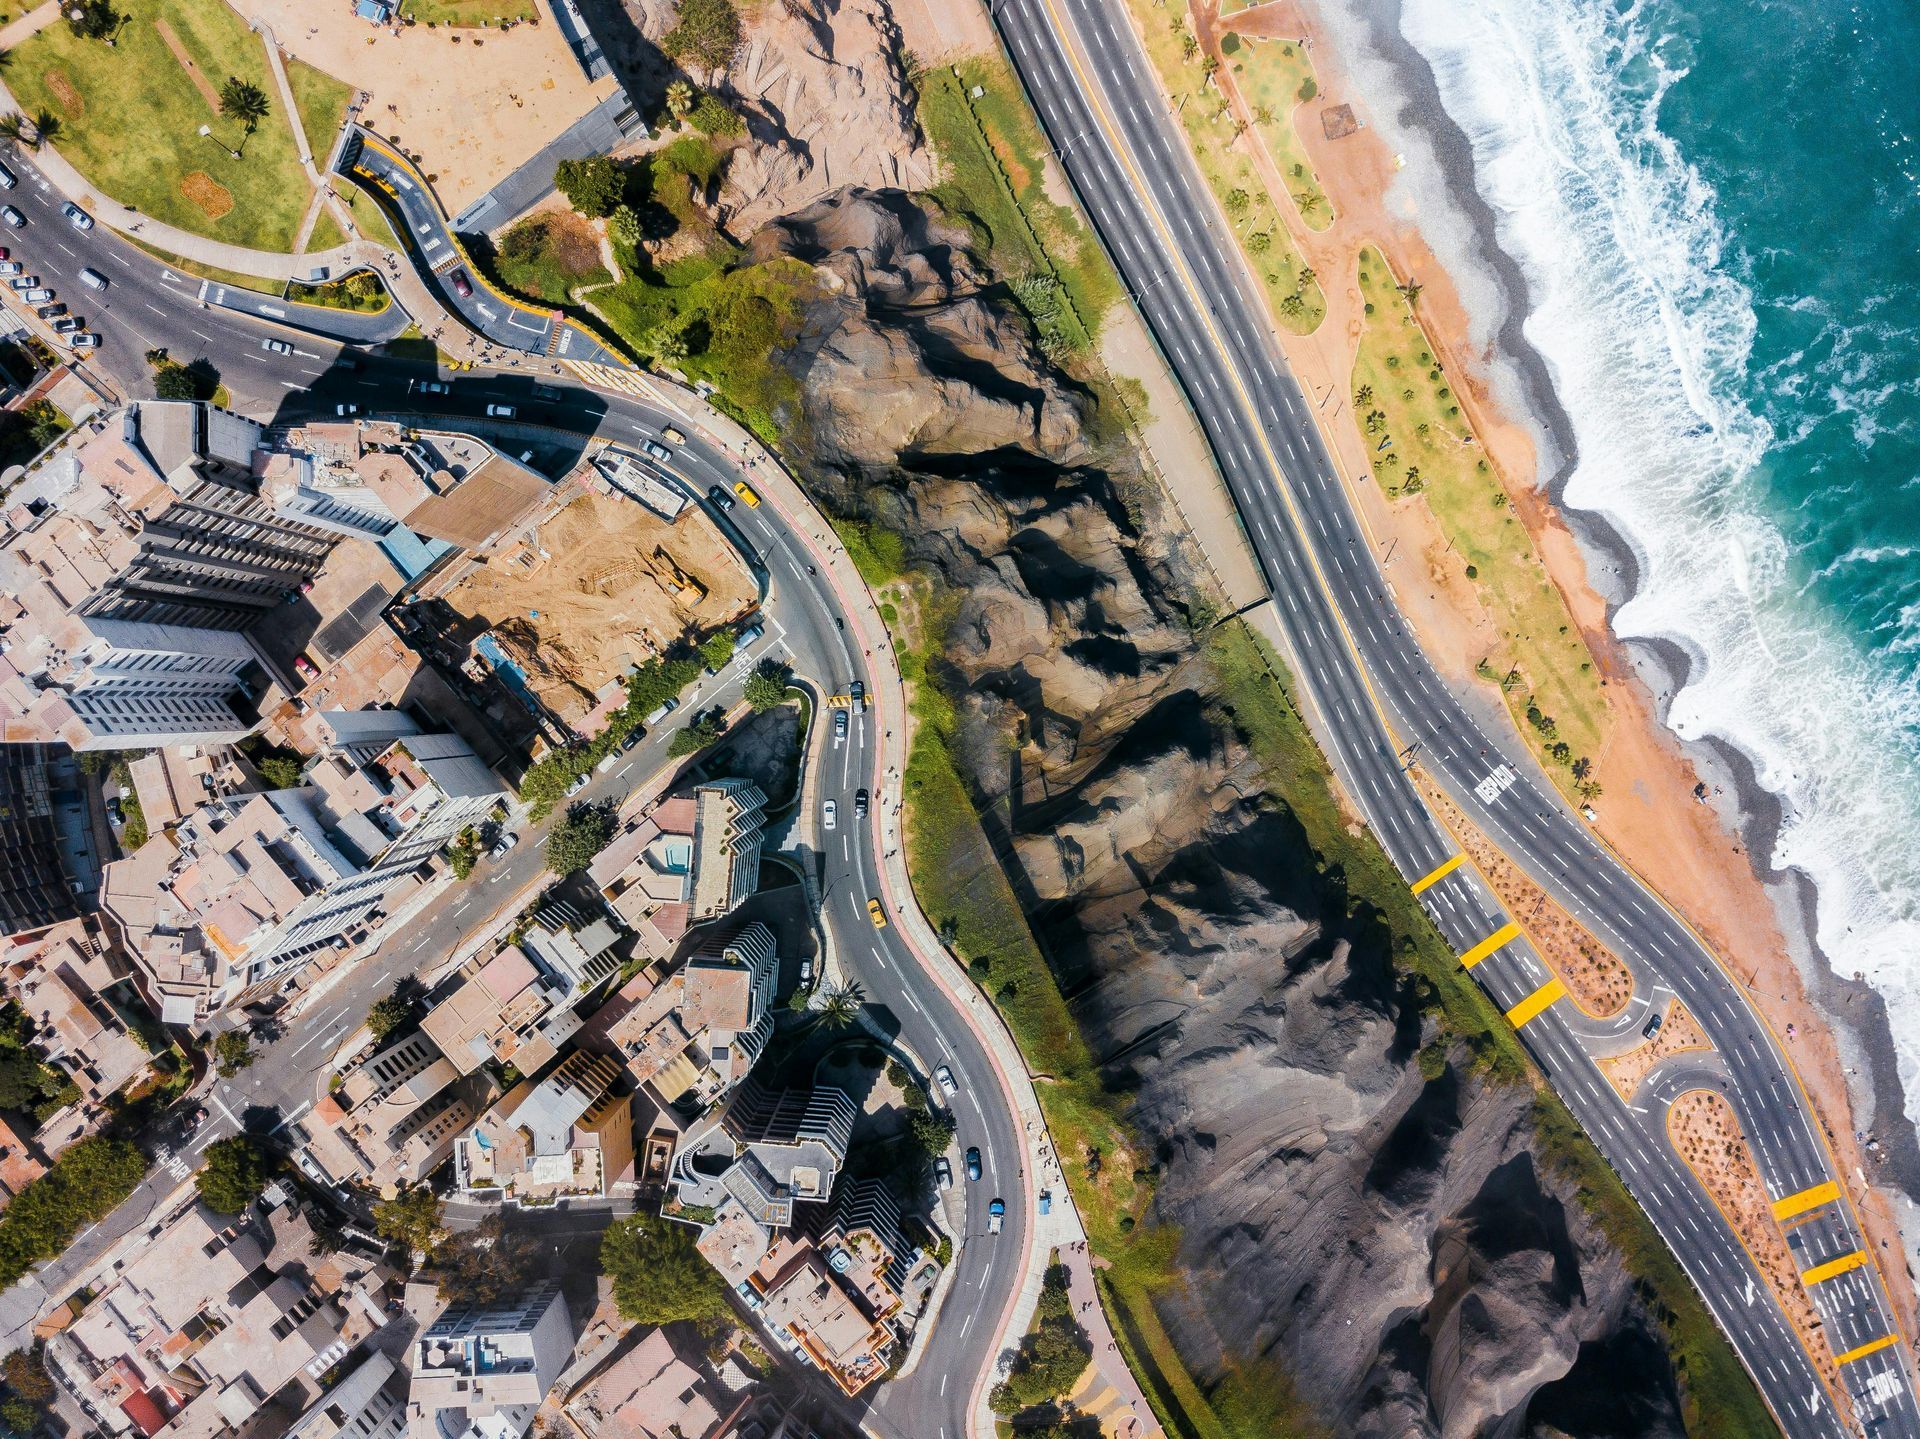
(213,198)
(1648,816)
(194,73)
(1679,1032)
(1707,1134)
(1594,975)
(64,95)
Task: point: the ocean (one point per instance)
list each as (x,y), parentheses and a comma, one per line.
(1716,208)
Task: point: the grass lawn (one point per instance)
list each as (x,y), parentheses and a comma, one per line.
(130,116)
(473,13)
(1276,77)
(1429,450)
(322,102)
(550,256)
(988,147)
(1228,168)
(367,214)
(326,233)
(1718,1399)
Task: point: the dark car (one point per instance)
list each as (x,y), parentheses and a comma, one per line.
(1651,1028)
(720,497)
(860,804)
(634,736)
(973,1162)
(462,286)
(48,312)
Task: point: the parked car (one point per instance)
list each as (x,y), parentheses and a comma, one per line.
(745,492)
(656,450)
(305,668)
(47,312)
(7,178)
(876,914)
(77,217)
(13,217)
(947,1081)
(634,736)
(115,812)
(859,804)
(11,267)
(84,341)
(667,707)
(24,282)
(942,1172)
(344,410)
(578,785)
(66,325)
(462,286)
(829,812)
(806,973)
(973,1161)
(36,297)
(502,845)
(720,497)
(276,347)
(501,412)
(1651,1027)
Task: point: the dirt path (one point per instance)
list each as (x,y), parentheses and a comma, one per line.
(200,81)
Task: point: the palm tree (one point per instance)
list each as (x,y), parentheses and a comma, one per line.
(1375,420)
(1412,291)
(679,99)
(46,125)
(840,1006)
(1363,395)
(14,127)
(1307,276)
(1307,200)
(1292,304)
(1413,474)
(244,101)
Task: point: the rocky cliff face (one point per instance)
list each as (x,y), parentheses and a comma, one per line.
(1391,1240)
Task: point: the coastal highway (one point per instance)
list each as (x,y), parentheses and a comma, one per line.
(150,306)
(1376,697)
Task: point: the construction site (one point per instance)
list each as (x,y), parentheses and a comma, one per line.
(598,588)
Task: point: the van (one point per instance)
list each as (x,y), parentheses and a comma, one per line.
(93,279)
(748,635)
(7,178)
(667,707)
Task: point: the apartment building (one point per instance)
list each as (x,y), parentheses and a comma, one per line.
(768,1149)
(395,1116)
(692,858)
(61,977)
(230,905)
(698,1033)
(650,1392)
(214,1321)
(135,564)
(569,1134)
(368,1402)
(34,889)
(480,1371)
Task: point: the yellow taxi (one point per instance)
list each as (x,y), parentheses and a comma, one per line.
(879,915)
(745,492)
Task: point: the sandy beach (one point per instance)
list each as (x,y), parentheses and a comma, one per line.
(1697,852)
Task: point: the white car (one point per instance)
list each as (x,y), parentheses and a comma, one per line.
(501,412)
(502,845)
(829,812)
(947,1081)
(77,217)
(277,347)
(942,1172)
(579,784)
(434,387)
(344,410)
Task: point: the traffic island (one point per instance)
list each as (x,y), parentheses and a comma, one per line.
(1679,1033)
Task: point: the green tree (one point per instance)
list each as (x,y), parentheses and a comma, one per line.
(695,737)
(658,1276)
(717,648)
(593,186)
(236,1172)
(932,1130)
(707,34)
(232,1052)
(88,1181)
(91,19)
(766,687)
(840,1006)
(244,101)
(175,382)
(26,1374)
(412,1220)
(486,1263)
(464,853)
(1237,201)
(578,837)
(389,1015)
(713,116)
(1052,1355)
(624,225)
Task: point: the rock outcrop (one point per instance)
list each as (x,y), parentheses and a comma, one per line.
(1391,1240)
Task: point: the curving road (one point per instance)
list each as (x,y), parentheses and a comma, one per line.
(150,306)
(1376,693)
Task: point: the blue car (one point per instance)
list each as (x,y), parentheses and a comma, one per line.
(973,1163)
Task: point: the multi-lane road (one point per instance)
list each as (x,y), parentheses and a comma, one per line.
(1375,694)
(810,622)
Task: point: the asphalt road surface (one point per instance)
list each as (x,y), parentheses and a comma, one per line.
(1376,694)
(149,306)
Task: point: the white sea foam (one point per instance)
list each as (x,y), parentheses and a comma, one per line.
(1647,334)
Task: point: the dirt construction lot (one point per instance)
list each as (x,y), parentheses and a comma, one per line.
(473,104)
(600,599)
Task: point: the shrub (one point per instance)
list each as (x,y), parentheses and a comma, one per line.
(576,839)
(236,1172)
(592,186)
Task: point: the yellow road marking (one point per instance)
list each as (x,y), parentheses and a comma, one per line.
(1428,880)
(1833,1268)
(1533,1004)
(1806,1199)
(1506,934)
(1883,1342)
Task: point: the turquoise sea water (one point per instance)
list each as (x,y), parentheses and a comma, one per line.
(1716,205)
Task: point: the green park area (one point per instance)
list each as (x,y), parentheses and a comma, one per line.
(1421,443)
(1276,77)
(469,14)
(322,102)
(128,115)
(1224,158)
